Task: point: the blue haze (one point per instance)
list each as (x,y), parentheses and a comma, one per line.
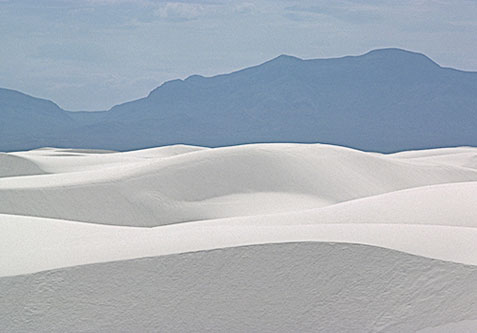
(385,100)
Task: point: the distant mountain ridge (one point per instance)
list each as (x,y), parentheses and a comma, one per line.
(385,100)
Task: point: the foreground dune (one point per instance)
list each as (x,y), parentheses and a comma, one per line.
(306,287)
(275,237)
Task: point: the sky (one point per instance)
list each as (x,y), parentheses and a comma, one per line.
(93,54)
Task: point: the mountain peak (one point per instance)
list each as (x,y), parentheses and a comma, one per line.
(194,77)
(285,58)
(398,55)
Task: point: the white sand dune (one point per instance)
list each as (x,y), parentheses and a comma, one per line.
(305,287)
(438,221)
(13,166)
(215,183)
(56,160)
(269,237)
(465,326)
(32,245)
(460,156)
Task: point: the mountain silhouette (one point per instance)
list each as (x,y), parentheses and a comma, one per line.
(385,100)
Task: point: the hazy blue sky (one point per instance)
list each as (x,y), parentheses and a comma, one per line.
(92,54)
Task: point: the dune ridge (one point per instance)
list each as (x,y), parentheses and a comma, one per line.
(212,183)
(301,234)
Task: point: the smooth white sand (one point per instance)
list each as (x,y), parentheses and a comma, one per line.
(176,203)
(213,183)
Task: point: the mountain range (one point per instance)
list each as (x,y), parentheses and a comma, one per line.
(385,100)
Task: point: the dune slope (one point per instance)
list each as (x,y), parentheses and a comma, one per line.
(304,287)
(437,221)
(12,166)
(214,183)
(266,237)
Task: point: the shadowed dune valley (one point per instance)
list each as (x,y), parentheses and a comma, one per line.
(238,166)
